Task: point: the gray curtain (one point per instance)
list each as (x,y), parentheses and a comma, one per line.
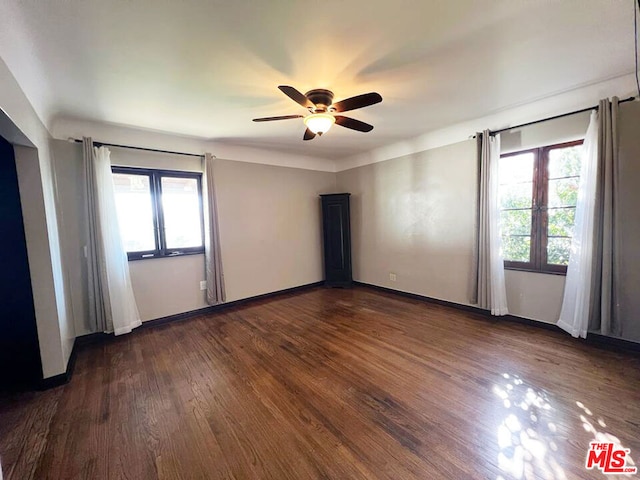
(213,257)
(473,279)
(99,304)
(491,290)
(603,316)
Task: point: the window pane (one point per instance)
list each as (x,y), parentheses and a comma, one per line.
(515,222)
(516,181)
(565,162)
(560,222)
(518,195)
(516,200)
(558,250)
(135,211)
(563,192)
(517,249)
(516,168)
(181,208)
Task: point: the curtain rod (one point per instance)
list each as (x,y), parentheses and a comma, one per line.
(102,144)
(595,107)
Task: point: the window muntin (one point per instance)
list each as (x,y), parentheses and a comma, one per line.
(538,195)
(159,212)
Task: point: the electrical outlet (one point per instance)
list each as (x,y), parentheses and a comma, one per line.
(393,277)
(203,285)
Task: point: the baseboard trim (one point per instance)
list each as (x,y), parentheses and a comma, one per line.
(223,306)
(423,298)
(100,337)
(595,339)
(607,342)
(63,378)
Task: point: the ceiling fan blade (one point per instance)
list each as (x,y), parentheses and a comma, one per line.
(353,124)
(296,96)
(308,135)
(358,101)
(271,119)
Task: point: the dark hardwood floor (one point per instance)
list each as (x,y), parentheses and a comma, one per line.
(328,384)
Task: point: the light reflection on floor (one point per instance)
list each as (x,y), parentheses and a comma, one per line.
(527,435)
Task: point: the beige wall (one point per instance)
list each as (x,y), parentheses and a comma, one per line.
(269,222)
(537,296)
(71,199)
(167,286)
(270,226)
(36,181)
(414,216)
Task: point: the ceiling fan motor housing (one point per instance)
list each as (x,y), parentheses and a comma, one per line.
(321,98)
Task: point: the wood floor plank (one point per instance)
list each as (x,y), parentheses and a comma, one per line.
(328,384)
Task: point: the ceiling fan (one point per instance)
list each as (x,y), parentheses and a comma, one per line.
(320,103)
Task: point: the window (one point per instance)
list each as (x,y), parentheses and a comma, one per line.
(159,212)
(538,195)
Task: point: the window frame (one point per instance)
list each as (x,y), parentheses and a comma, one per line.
(155,190)
(540,211)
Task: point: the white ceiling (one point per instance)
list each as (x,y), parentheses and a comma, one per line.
(206,68)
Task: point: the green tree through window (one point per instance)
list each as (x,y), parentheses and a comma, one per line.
(538,195)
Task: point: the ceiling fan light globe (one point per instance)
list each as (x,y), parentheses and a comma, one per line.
(319,123)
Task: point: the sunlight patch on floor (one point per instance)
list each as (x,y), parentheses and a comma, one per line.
(526,434)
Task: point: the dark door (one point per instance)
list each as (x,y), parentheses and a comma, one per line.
(337,239)
(19,352)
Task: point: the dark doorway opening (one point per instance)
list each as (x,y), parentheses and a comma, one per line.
(20,365)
